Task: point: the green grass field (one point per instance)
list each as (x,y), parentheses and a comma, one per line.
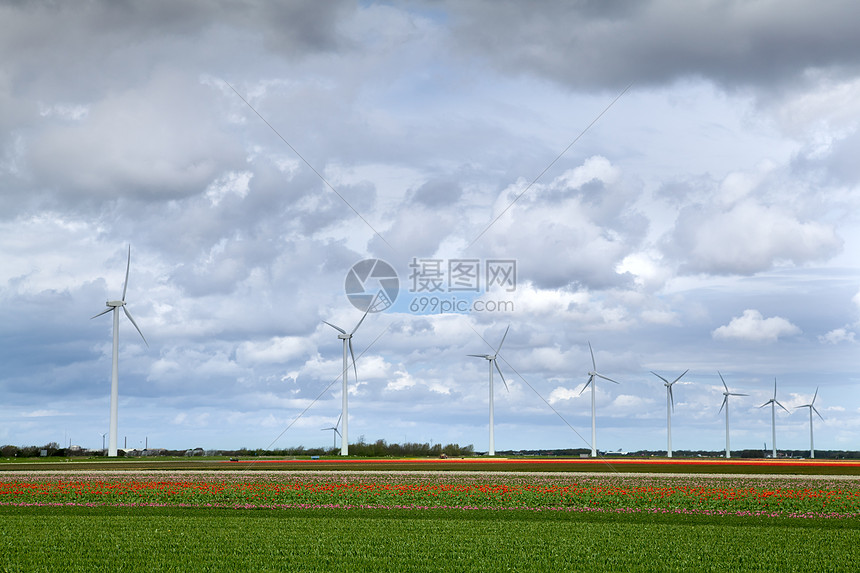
(171,539)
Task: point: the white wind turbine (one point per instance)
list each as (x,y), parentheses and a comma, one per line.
(591,376)
(491,359)
(347,347)
(812,408)
(726,395)
(335,432)
(773,404)
(670,406)
(112,306)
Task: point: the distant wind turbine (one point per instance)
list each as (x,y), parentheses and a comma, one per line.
(726,395)
(773,404)
(591,376)
(670,407)
(812,408)
(335,432)
(347,346)
(491,359)
(112,306)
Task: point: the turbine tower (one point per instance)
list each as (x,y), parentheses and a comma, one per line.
(491,360)
(670,407)
(812,408)
(347,346)
(591,376)
(726,395)
(335,432)
(112,306)
(773,404)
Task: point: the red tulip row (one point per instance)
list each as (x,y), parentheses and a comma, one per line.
(781,496)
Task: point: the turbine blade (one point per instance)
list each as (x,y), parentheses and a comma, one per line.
(681,376)
(127,266)
(815,395)
(336,431)
(781,406)
(736,394)
(351,353)
(128,314)
(499,370)
(339,329)
(360,321)
(479,355)
(593,364)
(724,382)
(107,310)
(503,339)
(774,388)
(606,377)
(671,397)
(590,380)
(814,409)
(660,377)
(338,420)
(725,401)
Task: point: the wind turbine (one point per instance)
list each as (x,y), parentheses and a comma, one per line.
(726,395)
(335,433)
(491,359)
(812,408)
(591,376)
(670,406)
(347,345)
(773,404)
(112,306)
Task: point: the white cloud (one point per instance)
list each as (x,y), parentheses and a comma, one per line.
(856,300)
(752,326)
(836,336)
(748,237)
(277,350)
(561,393)
(403,381)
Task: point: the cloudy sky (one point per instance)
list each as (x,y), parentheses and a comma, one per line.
(673,182)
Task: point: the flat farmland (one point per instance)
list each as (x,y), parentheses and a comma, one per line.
(484,516)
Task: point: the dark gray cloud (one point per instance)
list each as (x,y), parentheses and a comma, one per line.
(596,45)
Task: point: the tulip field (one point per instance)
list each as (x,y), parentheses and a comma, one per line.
(425,521)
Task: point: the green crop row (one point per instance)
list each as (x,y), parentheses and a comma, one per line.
(174,539)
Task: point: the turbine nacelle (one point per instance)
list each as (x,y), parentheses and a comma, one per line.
(484,356)
(668,385)
(774,400)
(115,303)
(811,405)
